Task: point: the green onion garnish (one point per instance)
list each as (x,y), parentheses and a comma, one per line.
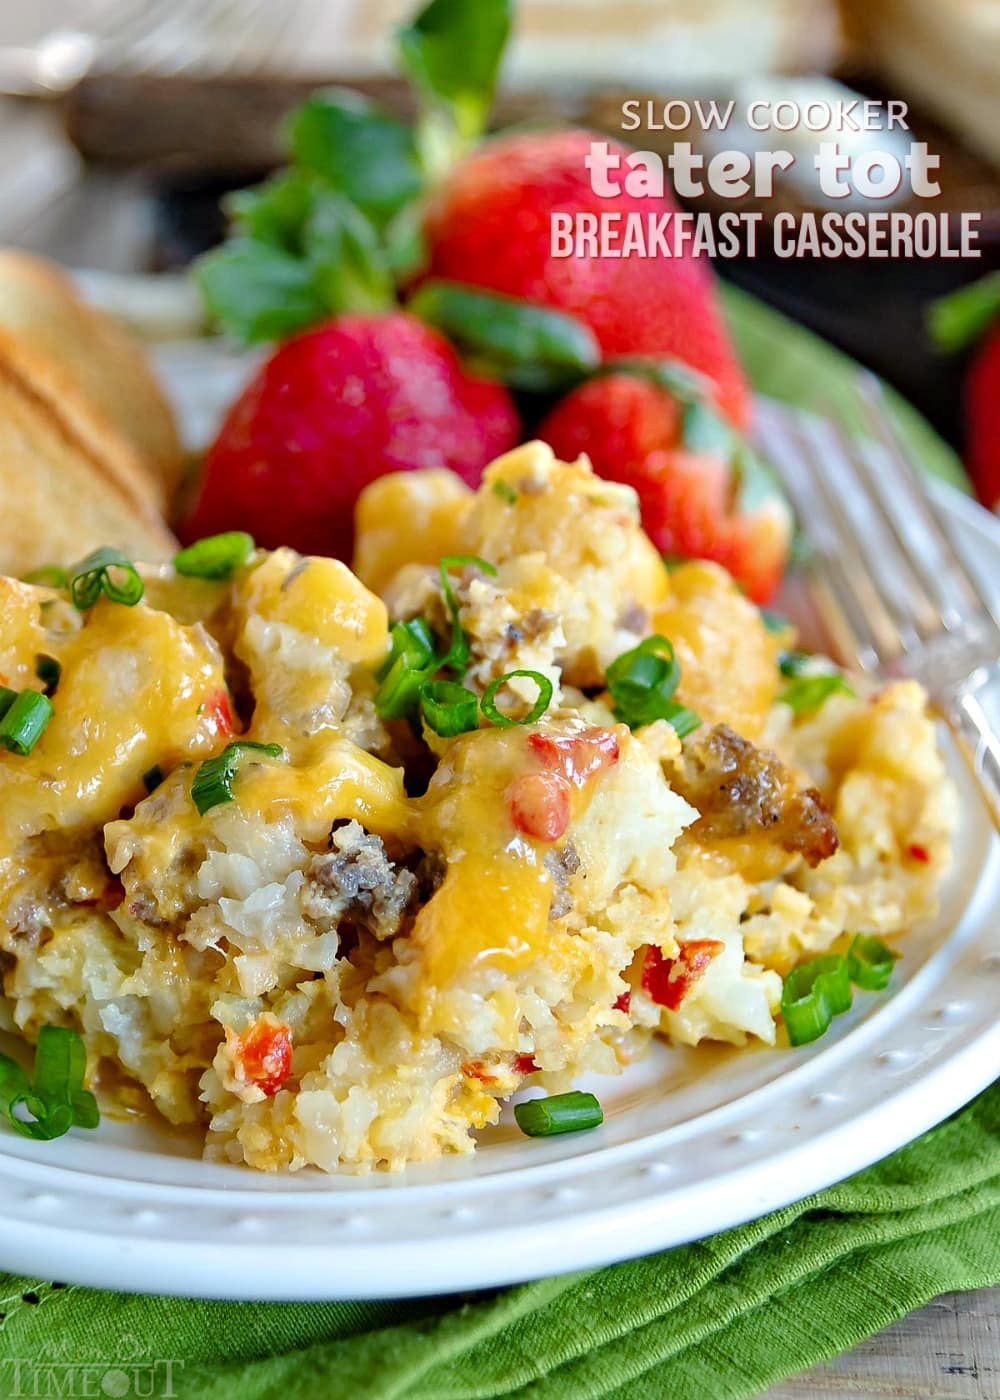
(458,653)
(807,693)
(448,708)
(105,571)
(7,698)
(48,576)
(409,664)
(25,721)
(642,684)
(505,492)
(561,1113)
(792,663)
(685,721)
(870,962)
(153,778)
(813,993)
(542,702)
(213,782)
(48,671)
(216,557)
(56,1100)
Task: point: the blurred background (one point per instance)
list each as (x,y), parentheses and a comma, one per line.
(123,123)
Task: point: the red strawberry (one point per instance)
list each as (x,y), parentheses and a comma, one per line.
(982,420)
(631,429)
(490,226)
(330,411)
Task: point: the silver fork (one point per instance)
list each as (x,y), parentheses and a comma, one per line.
(891,582)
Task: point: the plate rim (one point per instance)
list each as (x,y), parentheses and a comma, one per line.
(139,1235)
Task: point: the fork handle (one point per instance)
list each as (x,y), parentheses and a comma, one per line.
(973,710)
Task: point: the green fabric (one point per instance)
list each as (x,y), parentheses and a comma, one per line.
(710,1321)
(722,1319)
(789,363)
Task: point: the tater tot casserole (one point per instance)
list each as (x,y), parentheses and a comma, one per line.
(329,864)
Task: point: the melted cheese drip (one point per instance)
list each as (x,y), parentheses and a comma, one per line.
(320,597)
(728,659)
(24,635)
(409,518)
(130,695)
(493,907)
(333,780)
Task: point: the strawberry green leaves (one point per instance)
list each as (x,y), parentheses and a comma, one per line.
(524,345)
(300,252)
(451,53)
(333,232)
(354,148)
(255,292)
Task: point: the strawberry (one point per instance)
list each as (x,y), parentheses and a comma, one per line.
(969,319)
(489,225)
(982,420)
(330,411)
(693,498)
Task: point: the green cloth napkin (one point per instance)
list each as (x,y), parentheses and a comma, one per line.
(722,1319)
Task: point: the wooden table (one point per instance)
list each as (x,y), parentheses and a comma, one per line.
(949,1350)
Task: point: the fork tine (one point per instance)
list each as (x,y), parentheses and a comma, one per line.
(957,597)
(860,624)
(915,613)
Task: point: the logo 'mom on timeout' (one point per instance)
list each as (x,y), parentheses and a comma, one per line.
(43,1379)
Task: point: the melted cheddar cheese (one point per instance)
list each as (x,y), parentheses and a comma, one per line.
(136,690)
(728,659)
(331,781)
(409,518)
(319,597)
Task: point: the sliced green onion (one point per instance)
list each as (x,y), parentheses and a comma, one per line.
(685,721)
(813,993)
(105,571)
(57,1100)
(213,782)
(7,698)
(48,576)
(870,962)
(216,557)
(409,664)
(45,1123)
(560,1113)
(505,492)
(642,684)
(86,1114)
(14,1085)
(152,778)
(458,653)
(792,663)
(542,702)
(448,708)
(25,721)
(48,671)
(807,693)
(60,1064)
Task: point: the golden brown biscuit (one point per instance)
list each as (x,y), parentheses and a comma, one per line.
(94,368)
(59,497)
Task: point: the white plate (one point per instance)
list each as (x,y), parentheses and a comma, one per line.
(694,1142)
